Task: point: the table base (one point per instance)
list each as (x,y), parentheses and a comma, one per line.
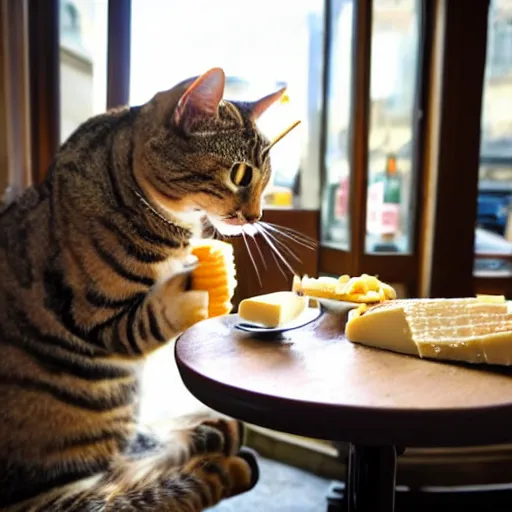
(370,482)
(371,487)
(371,478)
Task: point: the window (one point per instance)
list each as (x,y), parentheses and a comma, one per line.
(261,47)
(83,58)
(493,235)
(391,140)
(369,197)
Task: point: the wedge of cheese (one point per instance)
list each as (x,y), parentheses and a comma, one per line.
(272,309)
(470,330)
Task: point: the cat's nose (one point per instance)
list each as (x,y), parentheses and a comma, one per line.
(251,218)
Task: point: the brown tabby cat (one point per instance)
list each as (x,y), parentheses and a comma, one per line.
(93,270)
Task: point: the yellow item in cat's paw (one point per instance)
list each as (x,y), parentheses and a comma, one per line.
(272,309)
(364,289)
(215,273)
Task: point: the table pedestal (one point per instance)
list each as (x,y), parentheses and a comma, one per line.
(371,480)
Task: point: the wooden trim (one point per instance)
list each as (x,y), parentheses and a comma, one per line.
(428,184)
(420,132)
(361,65)
(324,112)
(455,142)
(493,256)
(44,84)
(118,56)
(493,285)
(15,161)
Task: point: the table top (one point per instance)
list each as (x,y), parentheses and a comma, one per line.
(316,383)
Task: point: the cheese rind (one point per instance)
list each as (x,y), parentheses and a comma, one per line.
(272,309)
(468,329)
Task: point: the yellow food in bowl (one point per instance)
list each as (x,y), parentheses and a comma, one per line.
(365,289)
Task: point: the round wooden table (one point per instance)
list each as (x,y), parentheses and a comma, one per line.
(315,383)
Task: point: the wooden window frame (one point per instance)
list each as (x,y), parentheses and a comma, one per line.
(44,76)
(44,66)
(15,161)
(118,52)
(453,157)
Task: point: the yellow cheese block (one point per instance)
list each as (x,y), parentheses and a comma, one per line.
(272,309)
(470,330)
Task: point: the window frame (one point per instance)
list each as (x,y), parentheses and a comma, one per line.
(400,268)
(15,160)
(44,79)
(118,52)
(453,156)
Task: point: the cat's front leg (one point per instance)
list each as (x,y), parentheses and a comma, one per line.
(167,311)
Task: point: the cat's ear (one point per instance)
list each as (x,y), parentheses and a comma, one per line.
(258,107)
(201,99)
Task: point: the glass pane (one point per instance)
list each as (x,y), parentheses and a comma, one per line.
(261,46)
(493,235)
(393,85)
(83,61)
(335,212)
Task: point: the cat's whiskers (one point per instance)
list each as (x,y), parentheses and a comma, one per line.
(273,246)
(276,260)
(281,244)
(244,236)
(293,235)
(253,234)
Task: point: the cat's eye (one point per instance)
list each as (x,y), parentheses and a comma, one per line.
(241,174)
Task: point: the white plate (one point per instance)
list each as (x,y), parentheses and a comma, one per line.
(309,315)
(338,307)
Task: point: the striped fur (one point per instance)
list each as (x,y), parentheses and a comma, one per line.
(94,264)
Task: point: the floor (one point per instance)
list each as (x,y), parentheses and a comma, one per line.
(281,489)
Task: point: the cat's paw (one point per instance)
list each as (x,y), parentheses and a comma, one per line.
(183,308)
(208,432)
(224,477)
(217,435)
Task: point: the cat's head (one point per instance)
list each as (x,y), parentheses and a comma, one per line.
(205,155)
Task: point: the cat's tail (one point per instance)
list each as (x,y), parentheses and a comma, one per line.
(148,484)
